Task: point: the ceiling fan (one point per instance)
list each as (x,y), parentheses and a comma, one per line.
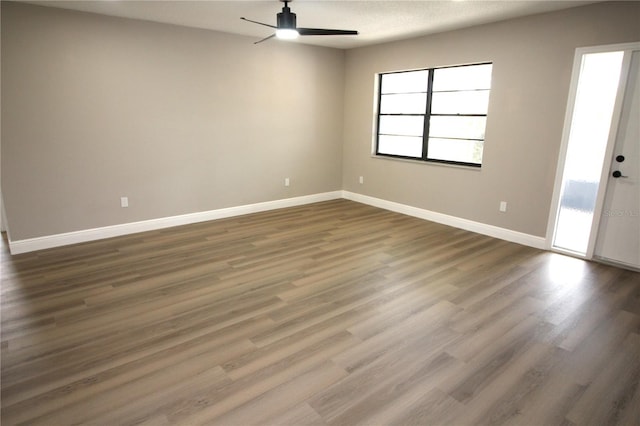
(287,29)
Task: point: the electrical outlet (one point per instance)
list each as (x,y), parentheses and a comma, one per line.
(286,182)
(361,180)
(503,206)
(124,201)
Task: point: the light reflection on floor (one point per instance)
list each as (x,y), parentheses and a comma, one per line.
(566,271)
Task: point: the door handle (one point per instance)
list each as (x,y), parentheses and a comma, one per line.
(618,174)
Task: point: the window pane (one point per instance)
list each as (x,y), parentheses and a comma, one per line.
(472,102)
(408,146)
(404,82)
(464,151)
(408,125)
(462,78)
(457,127)
(403,104)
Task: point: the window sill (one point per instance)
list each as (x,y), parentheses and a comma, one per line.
(427,163)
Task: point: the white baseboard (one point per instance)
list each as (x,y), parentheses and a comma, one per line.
(50,241)
(469,225)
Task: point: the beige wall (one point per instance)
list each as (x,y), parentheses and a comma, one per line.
(532,60)
(179,120)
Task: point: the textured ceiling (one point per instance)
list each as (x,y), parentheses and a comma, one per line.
(377,21)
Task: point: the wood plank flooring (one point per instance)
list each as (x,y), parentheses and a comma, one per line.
(333,313)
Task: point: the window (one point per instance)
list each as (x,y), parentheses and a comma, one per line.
(436,114)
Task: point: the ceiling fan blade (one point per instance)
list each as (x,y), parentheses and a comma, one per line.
(323,31)
(265,39)
(259,23)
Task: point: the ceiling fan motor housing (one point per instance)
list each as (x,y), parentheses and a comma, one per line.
(287,28)
(286,19)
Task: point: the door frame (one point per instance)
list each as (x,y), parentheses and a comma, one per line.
(628,48)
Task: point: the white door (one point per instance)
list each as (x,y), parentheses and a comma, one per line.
(618,237)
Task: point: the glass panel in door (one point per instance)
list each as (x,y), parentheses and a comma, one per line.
(588,137)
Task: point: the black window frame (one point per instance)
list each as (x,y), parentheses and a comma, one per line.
(427,118)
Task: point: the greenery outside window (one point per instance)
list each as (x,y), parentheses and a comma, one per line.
(435,115)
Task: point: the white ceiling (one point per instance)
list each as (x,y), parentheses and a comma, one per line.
(377,21)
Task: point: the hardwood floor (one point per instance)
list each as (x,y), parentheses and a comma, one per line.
(334,313)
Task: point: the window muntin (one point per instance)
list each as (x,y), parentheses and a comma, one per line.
(436,114)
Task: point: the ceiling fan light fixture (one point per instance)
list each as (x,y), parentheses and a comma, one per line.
(287,33)
(287,29)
